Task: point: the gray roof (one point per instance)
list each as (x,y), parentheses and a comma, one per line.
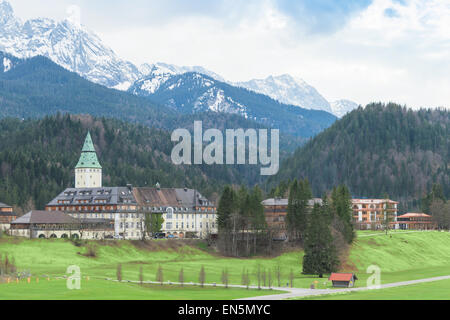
(2,205)
(112,195)
(36,216)
(284,202)
(174,197)
(275,202)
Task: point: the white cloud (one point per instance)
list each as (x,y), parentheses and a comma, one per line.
(375,57)
(387,52)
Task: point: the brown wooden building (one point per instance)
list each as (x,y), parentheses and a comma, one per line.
(6,216)
(416,221)
(275,211)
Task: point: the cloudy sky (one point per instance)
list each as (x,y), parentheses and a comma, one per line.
(362,50)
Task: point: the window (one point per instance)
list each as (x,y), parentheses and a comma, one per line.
(168,225)
(169,213)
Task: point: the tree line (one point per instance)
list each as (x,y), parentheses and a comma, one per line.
(37,159)
(323,228)
(382,148)
(437,205)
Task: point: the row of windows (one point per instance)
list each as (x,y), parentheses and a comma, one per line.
(89,170)
(186,216)
(130,225)
(132,234)
(177,209)
(91,208)
(169,225)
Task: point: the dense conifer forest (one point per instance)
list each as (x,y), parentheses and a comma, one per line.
(37,159)
(381,150)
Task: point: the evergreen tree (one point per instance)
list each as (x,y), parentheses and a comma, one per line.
(437,193)
(342,209)
(226,207)
(320,253)
(297,212)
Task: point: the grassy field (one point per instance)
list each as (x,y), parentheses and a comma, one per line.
(438,290)
(109,290)
(401,256)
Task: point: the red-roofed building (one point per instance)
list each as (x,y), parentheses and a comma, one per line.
(343,280)
(416,221)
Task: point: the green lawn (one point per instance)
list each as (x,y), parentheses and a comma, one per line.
(53,256)
(438,290)
(109,290)
(402,256)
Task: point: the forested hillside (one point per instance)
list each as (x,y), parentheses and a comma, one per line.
(37,158)
(37,87)
(376,151)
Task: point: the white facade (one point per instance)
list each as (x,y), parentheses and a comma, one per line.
(88,178)
(199,223)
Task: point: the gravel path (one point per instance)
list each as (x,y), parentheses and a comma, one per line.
(296,292)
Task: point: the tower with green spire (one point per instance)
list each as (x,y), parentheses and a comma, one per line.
(88,171)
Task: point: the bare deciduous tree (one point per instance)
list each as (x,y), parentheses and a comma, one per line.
(141,276)
(270,278)
(225,277)
(160,275)
(119,272)
(278,273)
(258,276)
(202,276)
(264,276)
(181,277)
(291,278)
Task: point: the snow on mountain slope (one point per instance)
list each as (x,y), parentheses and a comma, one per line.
(195,92)
(77,49)
(341,107)
(158,73)
(288,90)
(7,62)
(72,46)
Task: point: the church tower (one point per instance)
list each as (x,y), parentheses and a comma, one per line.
(88,172)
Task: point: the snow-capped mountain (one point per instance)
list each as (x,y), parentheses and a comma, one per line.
(194,92)
(289,90)
(78,49)
(158,73)
(72,46)
(341,107)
